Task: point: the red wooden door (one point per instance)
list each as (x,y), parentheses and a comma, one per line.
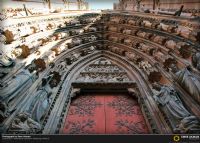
(104,114)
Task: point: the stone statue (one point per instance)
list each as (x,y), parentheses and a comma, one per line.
(6,61)
(181,120)
(196,60)
(29,121)
(23,123)
(41,102)
(12,88)
(189,82)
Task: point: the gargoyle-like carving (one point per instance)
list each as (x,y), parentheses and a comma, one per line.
(181,120)
(189,82)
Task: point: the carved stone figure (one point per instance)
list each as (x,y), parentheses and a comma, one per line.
(159,39)
(196,60)
(143,34)
(146,49)
(153,74)
(128,41)
(146,23)
(74,57)
(171,44)
(75,42)
(181,120)
(59,50)
(113,38)
(189,82)
(131,22)
(188,33)
(184,49)
(4,111)
(165,27)
(112,28)
(12,88)
(166,60)
(88,51)
(41,102)
(5,61)
(127,31)
(117,50)
(115,20)
(23,123)
(132,56)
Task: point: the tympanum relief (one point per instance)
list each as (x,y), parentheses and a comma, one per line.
(103,70)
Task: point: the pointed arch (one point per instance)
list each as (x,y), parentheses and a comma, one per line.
(154,119)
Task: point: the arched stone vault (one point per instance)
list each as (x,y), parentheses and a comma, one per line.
(133,72)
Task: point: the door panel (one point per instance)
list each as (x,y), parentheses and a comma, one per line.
(104,114)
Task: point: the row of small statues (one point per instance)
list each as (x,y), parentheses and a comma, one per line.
(172,45)
(8,63)
(179,30)
(14,32)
